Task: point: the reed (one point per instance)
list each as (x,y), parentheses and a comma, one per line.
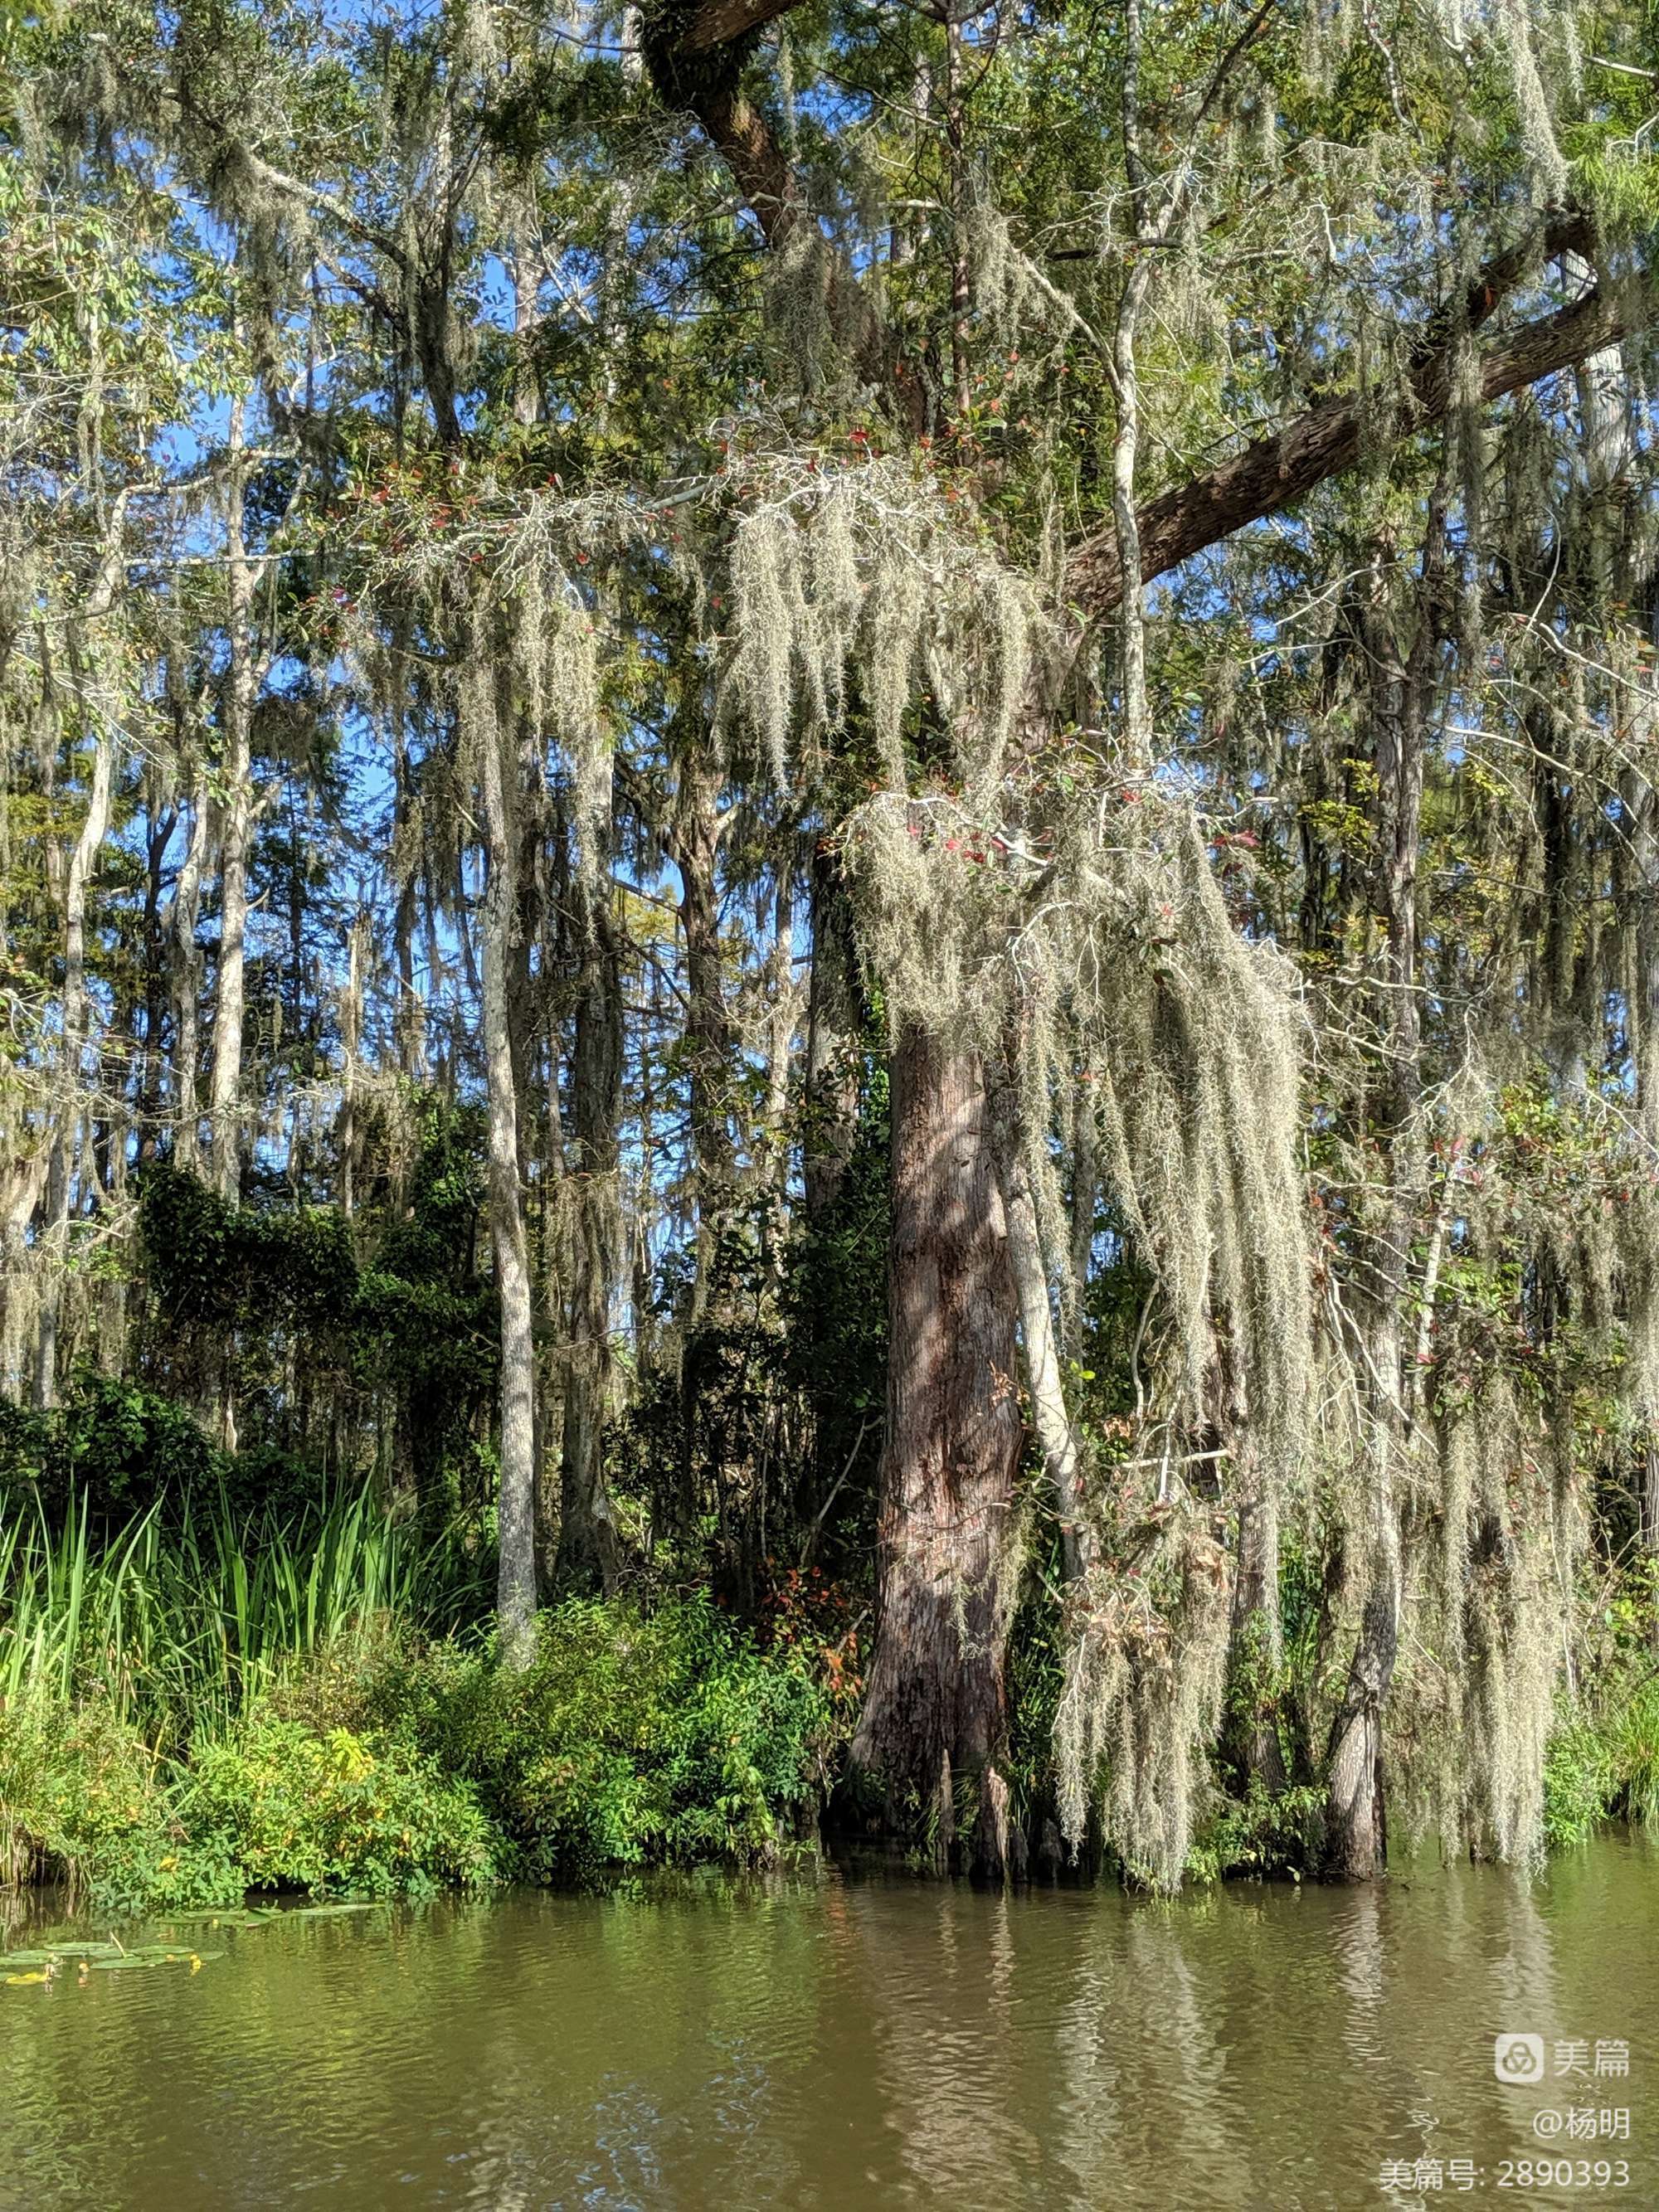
(179,1622)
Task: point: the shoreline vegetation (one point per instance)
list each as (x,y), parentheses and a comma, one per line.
(193,1708)
(198,1706)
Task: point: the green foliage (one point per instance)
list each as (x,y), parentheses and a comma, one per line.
(274,1301)
(272,1805)
(700,1446)
(1602,1762)
(836,1316)
(634,1739)
(185,1714)
(79,1799)
(213,1264)
(120,1447)
(335,1813)
(1036,1671)
(1264,1832)
(181,1624)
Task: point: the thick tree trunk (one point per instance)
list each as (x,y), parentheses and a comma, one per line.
(935,1715)
(1355,1825)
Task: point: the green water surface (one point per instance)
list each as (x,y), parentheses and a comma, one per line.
(839,2040)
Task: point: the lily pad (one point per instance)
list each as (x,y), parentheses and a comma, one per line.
(152,1954)
(233,1916)
(53,1955)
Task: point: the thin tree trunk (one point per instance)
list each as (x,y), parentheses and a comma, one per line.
(224,1099)
(187,987)
(516,1514)
(834,1018)
(1039,1341)
(1356,1832)
(351,1037)
(693,837)
(67,1116)
(159,835)
(588,1550)
(1085,1193)
(1255,1639)
(60,1175)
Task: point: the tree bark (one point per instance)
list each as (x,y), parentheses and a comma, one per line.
(60,1174)
(588,1549)
(224,1099)
(1255,1640)
(834,1018)
(935,1715)
(68,1117)
(1271,474)
(187,987)
(160,826)
(1356,1832)
(516,1601)
(692,839)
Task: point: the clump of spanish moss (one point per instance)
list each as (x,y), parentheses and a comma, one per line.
(1107,947)
(865,576)
(1145,1669)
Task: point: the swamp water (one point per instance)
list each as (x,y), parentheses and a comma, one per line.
(842,2040)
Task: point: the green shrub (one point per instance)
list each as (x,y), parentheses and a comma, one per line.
(80,1802)
(1258,1834)
(191,1710)
(1604,1761)
(1577,1784)
(333,1813)
(634,1739)
(274,1805)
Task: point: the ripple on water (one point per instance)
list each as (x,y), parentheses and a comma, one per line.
(836,2043)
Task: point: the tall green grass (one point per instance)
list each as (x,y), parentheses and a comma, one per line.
(178,1622)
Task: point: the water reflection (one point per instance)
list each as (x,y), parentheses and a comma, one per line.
(839,2041)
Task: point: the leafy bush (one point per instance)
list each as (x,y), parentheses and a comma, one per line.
(1260,1833)
(335,1813)
(83,1800)
(191,1710)
(634,1739)
(79,1799)
(1604,1762)
(116,1448)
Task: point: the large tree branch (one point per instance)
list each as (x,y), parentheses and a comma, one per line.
(759,168)
(719,22)
(1273,473)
